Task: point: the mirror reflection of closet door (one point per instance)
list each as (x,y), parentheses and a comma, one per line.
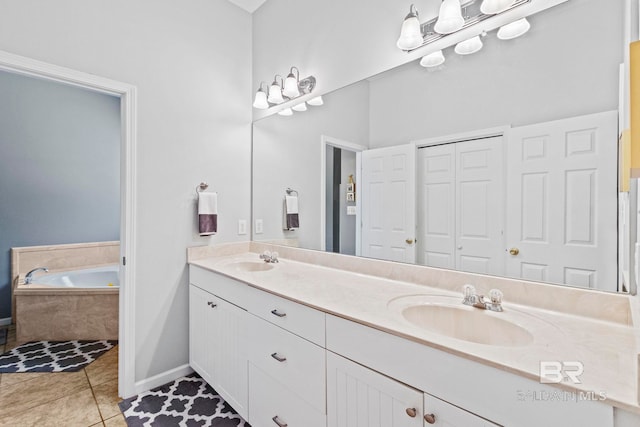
(460,206)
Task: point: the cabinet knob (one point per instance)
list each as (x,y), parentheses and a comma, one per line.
(277,313)
(212,304)
(430,418)
(278,422)
(514,251)
(411,412)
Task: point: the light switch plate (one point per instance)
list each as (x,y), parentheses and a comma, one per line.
(351,210)
(259,226)
(242,227)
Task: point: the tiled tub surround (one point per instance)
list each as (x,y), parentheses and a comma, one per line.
(58,314)
(569,324)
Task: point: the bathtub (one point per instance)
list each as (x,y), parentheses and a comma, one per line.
(95,278)
(80,304)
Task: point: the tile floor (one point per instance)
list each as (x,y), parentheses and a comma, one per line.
(72,399)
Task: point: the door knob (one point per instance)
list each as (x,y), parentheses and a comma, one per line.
(409,241)
(514,251)
(430,418)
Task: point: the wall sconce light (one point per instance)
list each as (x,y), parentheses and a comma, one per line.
(284,90)
(469,46)
(514,29)
(414,35)
(316,102)
(433,59)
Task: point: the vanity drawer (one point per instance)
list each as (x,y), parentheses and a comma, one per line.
(297,363)
(297,318)
(271,404)
(224,287)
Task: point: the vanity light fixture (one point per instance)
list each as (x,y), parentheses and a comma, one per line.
(286,112)
(433,59)
(514,29)
(469,46)
(450,17)
(300,107)
(291,84)
(260,101)
(316,102)
(275,91)
(450,20)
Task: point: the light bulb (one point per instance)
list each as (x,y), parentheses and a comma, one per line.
(433,59)
(260,101)
(291,87)
(469,46)
(300,107)
(514,29)
(491,7)
(286,112)
(317,101)
(450,17)
(410,33)
(275,93)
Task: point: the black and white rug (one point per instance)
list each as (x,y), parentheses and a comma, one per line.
(53,356)
(188,401)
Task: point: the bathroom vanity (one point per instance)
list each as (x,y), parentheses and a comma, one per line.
(328,340)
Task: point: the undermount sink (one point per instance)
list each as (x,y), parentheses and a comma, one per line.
(251,266)
(447,316)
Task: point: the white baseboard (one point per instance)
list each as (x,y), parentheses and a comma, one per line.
(162,378)
(5,322)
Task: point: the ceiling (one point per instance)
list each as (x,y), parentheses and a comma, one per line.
(248,5)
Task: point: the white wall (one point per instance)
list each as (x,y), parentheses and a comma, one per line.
(287,153)
(191,63)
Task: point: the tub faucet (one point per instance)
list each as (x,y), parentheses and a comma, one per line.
(473,299)
(29,277)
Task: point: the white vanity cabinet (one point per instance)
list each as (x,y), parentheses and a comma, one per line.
(218,336)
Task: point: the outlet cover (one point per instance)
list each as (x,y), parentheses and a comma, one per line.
(351,210)
(242,227)
(259,226)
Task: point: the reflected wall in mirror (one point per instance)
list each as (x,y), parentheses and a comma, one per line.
(504,162)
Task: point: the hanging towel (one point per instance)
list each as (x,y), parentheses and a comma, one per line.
(207,213)
(291,219)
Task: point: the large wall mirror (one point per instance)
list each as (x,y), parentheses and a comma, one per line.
(504,162)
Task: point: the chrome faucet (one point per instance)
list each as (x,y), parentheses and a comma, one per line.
(473,299)
(29,277)
(269,257)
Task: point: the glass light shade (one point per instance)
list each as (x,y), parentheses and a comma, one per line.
(260,101)
(433,59)
(286,112)
(469,46)
(450,17)
(410,34)
(275,94)
(317,101)
(491,7)
(291,87)
(300,107)
(514,29)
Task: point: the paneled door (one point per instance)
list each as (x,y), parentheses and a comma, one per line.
(460,206)
(562,208)
(389,203)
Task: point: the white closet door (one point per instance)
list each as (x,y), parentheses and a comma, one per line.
(562,208)
(388,203)
(460,207)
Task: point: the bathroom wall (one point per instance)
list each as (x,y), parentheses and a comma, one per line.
(191,63)
(289,142)
(59,168)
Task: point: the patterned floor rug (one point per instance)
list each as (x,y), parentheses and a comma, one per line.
(53,356)
(188,401)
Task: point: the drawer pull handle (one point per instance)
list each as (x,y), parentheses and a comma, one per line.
(430,418)
(411,412)
(211,304)
(278,357)
(277,313)
(278,422)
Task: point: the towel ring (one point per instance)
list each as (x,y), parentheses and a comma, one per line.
(201,187)
(291,190)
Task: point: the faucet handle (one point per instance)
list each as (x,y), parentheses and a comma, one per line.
(495,295)
(469,291)
(274,256)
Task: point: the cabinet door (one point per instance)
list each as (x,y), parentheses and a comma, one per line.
(201,342)
(217,346)
(360,397)
(440,413)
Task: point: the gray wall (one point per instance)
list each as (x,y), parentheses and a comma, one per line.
(59,168)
